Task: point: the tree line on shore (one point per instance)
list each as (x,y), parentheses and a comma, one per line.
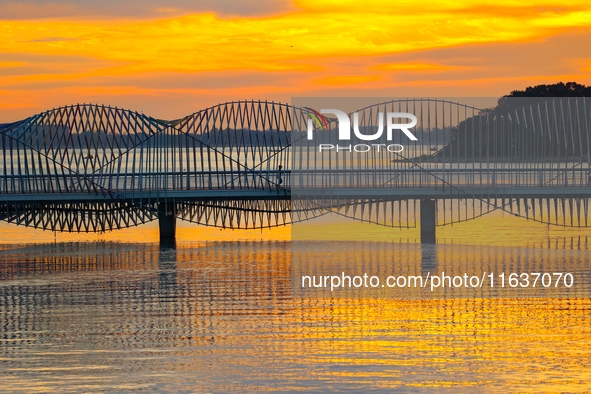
(537,123)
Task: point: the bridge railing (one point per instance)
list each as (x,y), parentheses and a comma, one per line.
(443,177)
(125,183)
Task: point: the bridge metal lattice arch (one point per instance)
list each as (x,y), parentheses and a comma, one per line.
(94,168)
(527,157)
(249,164)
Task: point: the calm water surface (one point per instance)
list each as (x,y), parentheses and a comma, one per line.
(222,316)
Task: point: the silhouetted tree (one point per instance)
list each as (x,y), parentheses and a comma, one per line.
(570,89)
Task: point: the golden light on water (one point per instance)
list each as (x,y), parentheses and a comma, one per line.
(499,229)
(398,339)
(496,229)
(148,233)
(228,309)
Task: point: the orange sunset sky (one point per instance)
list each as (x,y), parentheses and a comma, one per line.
(172,58)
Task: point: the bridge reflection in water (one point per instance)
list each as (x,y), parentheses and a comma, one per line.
(114,317)
(248,164)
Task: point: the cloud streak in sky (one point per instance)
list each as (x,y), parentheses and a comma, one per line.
(81,52)
(130,9)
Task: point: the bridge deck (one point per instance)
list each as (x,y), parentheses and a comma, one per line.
(310,193)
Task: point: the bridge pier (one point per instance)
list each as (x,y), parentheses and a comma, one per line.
(428,221)
(167,224)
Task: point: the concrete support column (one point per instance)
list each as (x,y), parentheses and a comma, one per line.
(428,221)
(167,224)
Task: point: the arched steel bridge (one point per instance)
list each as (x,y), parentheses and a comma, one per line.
(249,164)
